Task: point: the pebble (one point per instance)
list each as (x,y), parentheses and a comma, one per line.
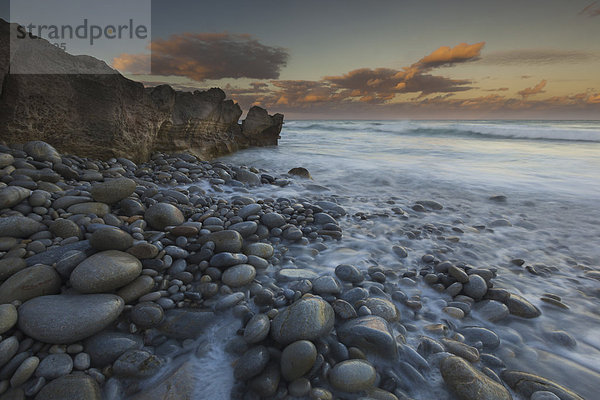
(492,310)
(476,287)
(226,259)
(257,329)
(105,347)
(8,348)
(161,215)
(272,220)
(71,387)
(343,309)
(134,290)
(383,308)
(147,315)
(137,364)
(265,384)
(252,363)
(262,250)
(458,274)
(544,395)
(467,383)
(238,275)
(297,359)
(113,191)
(370,333)
(299,387)
(105,272)
(308,318)
(454,312)
(54,366)
(24,371)
(527,384)
(325,285)
(68,318)
(248,210)
(225,241)
(8,317)
(353,376)
(99,209)
(10,266)
(520,307)
(31,282)
(81,361)
(348,273)
(111,239)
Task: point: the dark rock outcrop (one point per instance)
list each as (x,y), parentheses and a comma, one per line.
(98,112)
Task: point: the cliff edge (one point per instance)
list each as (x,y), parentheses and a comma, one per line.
(100,113)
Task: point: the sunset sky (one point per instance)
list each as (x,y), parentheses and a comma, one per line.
(382,59)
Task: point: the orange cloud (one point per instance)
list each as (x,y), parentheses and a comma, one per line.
(382,84)
(459,53)
(530,91)
(594,99)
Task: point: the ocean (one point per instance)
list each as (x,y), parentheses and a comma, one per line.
(549,173)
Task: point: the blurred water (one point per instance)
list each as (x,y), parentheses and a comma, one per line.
(550,173)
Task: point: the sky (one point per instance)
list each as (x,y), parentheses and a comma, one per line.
(401,59)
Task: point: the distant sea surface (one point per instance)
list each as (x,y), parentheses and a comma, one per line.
(550,175)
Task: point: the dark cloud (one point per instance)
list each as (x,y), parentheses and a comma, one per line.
(592,10)
(538,56)
(202,56)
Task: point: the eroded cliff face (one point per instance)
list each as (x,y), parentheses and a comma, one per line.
(103,114)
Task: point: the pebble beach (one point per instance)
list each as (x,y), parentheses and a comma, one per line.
(186,279)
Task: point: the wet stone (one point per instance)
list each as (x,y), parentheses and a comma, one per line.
(226,259)
(54,366)
(161,215)
(353,376)
(476,287)
(111,239)
(467,383)
(68,318)
(252,363)
(257,329)
(105,272)
(297,359)
(8,317)
(147,315)
(348,273)
(105,347)
(238,275)
(492,310)
(137,364)
(369,333)
(326,285)
(308,318)
(520,307)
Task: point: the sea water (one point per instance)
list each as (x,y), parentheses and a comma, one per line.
(550,175)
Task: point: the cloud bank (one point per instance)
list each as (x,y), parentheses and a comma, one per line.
(202,56)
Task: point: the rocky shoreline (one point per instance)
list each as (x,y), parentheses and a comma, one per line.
(111,272)
(89,109)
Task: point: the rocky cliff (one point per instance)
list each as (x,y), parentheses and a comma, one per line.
(100,113)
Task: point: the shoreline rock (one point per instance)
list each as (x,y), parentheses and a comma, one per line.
(95,111)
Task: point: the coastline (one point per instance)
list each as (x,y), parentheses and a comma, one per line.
(200,250)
